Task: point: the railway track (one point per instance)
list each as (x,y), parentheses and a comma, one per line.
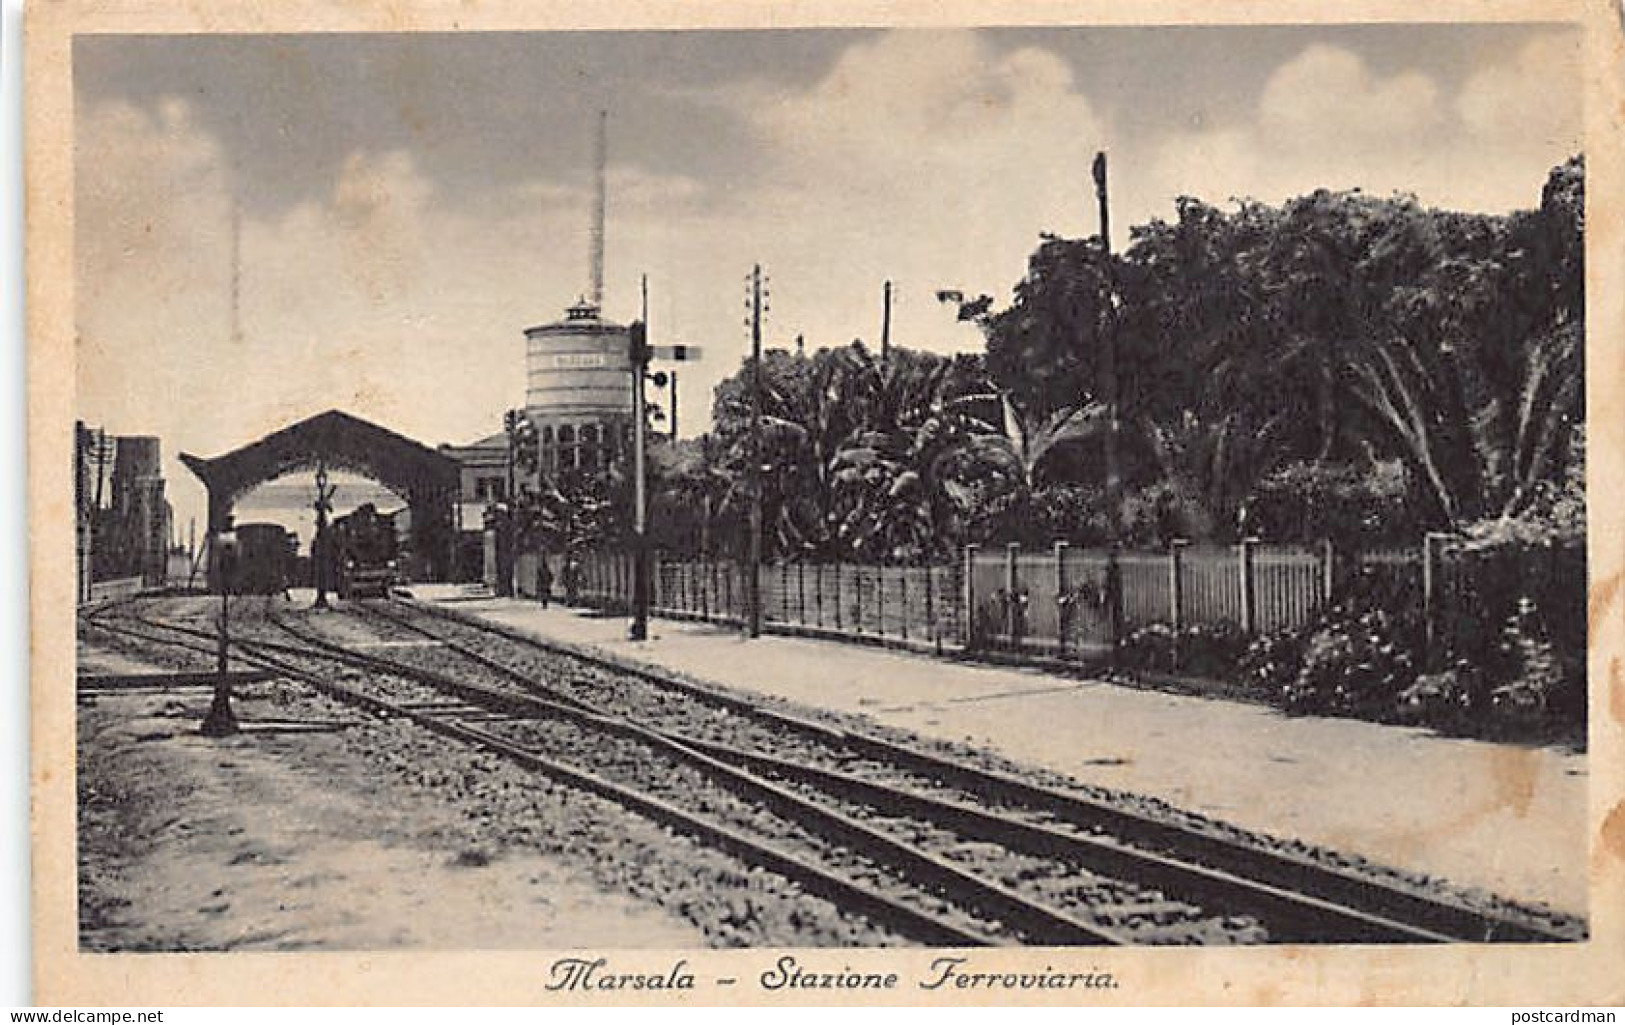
(902,901)
(1376,904)
(941,850)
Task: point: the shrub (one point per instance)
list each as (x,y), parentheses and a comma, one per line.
(1537,689)
(1355,666)
(1148,647)
(1208,649)
(1449,699)
(1205,649)
(1306,501)
(1272,661)
(1157,513)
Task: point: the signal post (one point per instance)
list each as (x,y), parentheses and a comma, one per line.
(642,353)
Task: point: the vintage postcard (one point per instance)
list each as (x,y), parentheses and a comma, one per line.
(841,503)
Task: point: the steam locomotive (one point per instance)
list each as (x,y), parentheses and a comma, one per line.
(366,549)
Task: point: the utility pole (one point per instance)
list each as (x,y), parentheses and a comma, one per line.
(1114,474)
(753,578)
(674,405)
(1108,369)
(84,518)
(639,341)
(885,325)
(510,425)
(101,464)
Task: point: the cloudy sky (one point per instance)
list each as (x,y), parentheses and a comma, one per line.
(409,204)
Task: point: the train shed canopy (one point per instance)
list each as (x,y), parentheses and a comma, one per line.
(338,441)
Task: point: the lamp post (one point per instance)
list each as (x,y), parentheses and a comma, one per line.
(320,545)
(221,721)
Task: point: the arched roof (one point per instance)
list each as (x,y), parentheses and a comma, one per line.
(338,440)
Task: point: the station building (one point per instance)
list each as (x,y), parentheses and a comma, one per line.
(124,523)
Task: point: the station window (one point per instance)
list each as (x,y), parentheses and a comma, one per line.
(568,454)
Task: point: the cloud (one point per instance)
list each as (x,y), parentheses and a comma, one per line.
(378,208)
(370,299)
(925,157)
(1327,96)
(1526,99)
(151,188)
(1325,118)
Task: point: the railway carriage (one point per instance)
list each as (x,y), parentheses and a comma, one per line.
(264,558)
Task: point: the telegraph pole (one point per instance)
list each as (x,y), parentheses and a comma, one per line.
(885,325)
(101,464)
(510,425)
(753,579)
(83,518)
(639,341)
(1114,473)
(1108,369)
(674,405)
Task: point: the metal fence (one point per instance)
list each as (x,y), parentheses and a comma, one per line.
(1068,603)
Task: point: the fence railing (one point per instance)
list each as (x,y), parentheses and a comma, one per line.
(1069,603)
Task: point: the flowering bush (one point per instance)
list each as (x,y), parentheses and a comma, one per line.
(1272,661)
(1355,666)
(1538,688)
(1148,647)
(1448,699)
(1204,649)
(1208,649)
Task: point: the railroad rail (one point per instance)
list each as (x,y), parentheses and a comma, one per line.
(1366,896)
(1154,881)
(456,720)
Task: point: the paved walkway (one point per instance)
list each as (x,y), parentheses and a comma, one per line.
(1508,819)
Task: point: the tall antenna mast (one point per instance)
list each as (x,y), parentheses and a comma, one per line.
(600,158)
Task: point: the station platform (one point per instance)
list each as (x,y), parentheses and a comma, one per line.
(1508,819)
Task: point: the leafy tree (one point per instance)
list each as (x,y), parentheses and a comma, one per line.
(860,457)
(1342,363)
